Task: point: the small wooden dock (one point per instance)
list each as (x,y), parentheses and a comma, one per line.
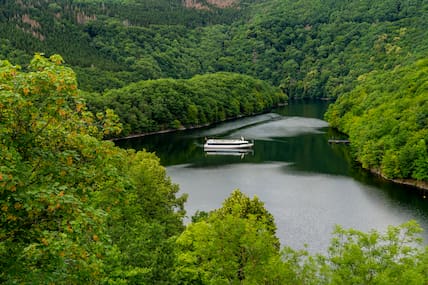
(334,141)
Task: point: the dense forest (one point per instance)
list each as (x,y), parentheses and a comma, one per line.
(75,209)
(386,117)
(153,105)
(309,48)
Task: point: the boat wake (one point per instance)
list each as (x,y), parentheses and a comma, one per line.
(267,127)
(224,129)
(283,127)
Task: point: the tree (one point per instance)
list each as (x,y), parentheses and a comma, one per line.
(233,245)
(385,117)
(241,206)
(395,257)
(50,169)
(73,208)
(144,220)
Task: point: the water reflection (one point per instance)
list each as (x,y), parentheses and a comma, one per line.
(236,152)
(283,127)
(306,206)
(232,126)
(306,183)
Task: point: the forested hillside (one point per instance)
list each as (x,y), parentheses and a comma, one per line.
(89,34)
(154,105)
(386,117)
(309,48)
(318,48)
(78,210)
(75,209)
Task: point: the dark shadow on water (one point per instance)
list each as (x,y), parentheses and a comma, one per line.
(297,139)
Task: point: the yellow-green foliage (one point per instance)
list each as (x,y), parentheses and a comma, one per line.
(235,245)
(386,117)
(75,209)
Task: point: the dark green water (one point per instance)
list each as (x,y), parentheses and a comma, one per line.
(306,183)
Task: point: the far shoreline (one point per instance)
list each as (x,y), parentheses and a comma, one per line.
(419,185)
(165,131)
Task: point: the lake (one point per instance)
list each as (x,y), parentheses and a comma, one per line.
(307,184)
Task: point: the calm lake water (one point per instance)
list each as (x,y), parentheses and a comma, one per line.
(307,184)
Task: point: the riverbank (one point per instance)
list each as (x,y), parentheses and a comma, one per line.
(421,185)
(161,132)
(183,128)
(308,185)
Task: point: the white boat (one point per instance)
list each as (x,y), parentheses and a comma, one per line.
(227,144)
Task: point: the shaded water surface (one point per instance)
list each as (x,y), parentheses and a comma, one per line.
(307,184)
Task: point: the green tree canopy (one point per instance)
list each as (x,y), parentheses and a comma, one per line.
(154,105)
(75,209)
(386,117)
(233,245)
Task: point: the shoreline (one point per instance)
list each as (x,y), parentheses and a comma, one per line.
(420,185)
(161,132)
(196,126)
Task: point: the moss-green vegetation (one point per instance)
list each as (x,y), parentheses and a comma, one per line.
(309,48)
(235,245)
(155,105)
(386,117)
(76,210)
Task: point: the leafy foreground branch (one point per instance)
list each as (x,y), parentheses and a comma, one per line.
(77,210)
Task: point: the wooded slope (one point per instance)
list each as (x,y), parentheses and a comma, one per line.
(154,105)
(386,117)
(309,48)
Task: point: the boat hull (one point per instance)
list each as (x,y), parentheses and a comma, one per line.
(227,144)
(228,147)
